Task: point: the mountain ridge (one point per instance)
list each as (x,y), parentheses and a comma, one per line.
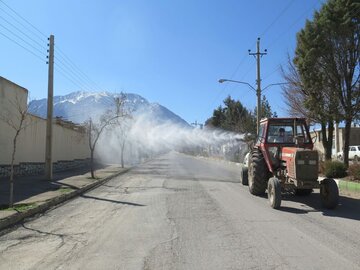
(79,106)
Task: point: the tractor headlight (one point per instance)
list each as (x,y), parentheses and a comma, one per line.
(301,162)
(312,162)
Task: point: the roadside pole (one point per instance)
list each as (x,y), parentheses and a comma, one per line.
(258,55)
(48,147)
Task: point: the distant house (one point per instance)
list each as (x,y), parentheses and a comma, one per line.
(338,140)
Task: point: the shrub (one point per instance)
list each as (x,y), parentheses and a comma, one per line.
(321,167)
(334,169)
(354,171)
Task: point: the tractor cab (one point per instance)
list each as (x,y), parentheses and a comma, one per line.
(278,133)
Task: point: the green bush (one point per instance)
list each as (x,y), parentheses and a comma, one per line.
(334,169)
(354,171)
(321,167)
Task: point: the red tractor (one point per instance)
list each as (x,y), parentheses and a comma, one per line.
(283,159)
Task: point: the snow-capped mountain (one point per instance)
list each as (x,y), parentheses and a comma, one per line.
(80,106)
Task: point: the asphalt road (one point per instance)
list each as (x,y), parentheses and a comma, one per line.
(181,212)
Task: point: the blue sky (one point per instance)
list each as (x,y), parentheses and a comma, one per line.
(169,51)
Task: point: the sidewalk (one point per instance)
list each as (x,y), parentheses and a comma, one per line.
(34,194)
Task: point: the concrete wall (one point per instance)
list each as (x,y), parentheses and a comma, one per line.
(69,141)
(12,99)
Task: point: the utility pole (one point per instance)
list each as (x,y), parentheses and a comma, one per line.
(258,55)
(48,147)
(195,124)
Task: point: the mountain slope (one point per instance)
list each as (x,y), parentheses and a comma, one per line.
(80,106)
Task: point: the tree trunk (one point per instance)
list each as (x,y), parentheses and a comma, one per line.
(92,149)
(11,198)
(122,154)
(328,150)
(92,163)
(325,141)
(347,141)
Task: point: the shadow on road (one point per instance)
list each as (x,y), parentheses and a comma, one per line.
(294,210)
(29,186)
(348,207)
(112,201)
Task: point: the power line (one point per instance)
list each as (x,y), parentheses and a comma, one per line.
(41,45)
(231,77)
(19,37)
(74,73)
(74,78)
(273,71)
(237,68)
(66,58)
(292,25)
(37,56)
(277,18)
(279,36)
(1,1)
(29,44)
(67,66)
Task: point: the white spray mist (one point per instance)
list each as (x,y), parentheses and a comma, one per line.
(145,137)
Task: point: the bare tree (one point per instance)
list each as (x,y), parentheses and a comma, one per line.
(303,101)
(124,125)
(16,117)
(122,135)
(294,92)
(94,129)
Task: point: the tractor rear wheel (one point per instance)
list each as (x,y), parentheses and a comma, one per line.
(274,192)
(329,193)
(258,173)
(244,176)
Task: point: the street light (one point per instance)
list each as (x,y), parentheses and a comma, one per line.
(248,84)
(258,94)
(272,84)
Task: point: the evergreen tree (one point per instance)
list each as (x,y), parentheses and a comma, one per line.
(266,111)
(327,62)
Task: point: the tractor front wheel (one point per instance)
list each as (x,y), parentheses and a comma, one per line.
(274,192)
(329,193)
(258,173)
(244,176)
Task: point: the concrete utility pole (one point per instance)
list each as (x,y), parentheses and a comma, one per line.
(258,55)
(48,148)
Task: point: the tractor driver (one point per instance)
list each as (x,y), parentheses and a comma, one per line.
(281,137)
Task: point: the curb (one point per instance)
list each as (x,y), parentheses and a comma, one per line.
(16,218)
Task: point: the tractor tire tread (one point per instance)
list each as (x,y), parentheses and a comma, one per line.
(260,173)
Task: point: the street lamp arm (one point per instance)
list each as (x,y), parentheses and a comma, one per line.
(272,84)
(248,84)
